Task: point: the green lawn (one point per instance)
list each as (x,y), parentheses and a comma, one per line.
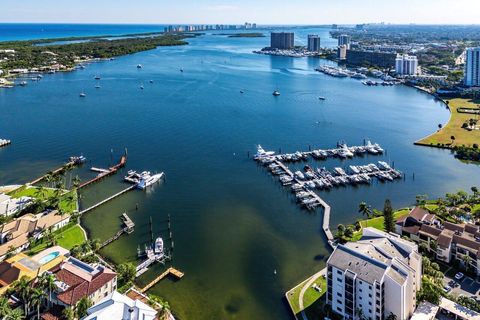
(66,238)
(377,223)
(310,297)
(454,127)
(71,237)
(68,199)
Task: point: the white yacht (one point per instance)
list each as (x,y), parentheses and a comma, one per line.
(148,180)
(262,153)
(83,94)
(158,248)
(276,93)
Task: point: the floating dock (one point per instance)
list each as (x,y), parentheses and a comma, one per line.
(170,271)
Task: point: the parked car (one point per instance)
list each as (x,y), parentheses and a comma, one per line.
(447,289)
(459,276)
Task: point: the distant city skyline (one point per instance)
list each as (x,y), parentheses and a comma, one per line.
(267,12)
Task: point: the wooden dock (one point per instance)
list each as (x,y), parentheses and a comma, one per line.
(129,224)
(107,200)
(170,271)
(104,172)
(323,204)
(115,237)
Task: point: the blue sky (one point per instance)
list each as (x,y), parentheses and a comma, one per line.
(228,11)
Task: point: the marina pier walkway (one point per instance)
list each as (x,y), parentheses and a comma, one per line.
(107,200)
(326,207)
(170,271)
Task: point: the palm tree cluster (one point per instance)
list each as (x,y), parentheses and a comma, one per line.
(458,206)
(432,282)
(161,305)
(6,312)
(86,251)
(35,294)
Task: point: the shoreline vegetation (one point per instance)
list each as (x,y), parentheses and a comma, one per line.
(461,134)
(49,56)
(244,35)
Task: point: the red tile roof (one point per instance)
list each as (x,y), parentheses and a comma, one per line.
(79,287)
(418,213)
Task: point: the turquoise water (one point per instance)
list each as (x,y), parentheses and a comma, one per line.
(232,223)
(49,257)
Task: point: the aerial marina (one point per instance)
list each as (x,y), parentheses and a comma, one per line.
(303,182)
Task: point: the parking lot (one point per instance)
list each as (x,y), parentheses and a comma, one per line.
(466,286)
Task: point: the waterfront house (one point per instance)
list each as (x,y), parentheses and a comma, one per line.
(21,265)
(450,241)
(10,206)
(76,279)
(119,306)
(374,277)
(15,234)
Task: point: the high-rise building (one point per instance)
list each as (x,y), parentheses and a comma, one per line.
(472,67)
(344,39)
(282,40)
(376,276)
(406,65)
(342,52)
(313,43)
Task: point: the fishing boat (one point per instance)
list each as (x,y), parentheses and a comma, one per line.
(148,181)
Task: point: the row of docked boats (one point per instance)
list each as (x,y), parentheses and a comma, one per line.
(143,179)
(343,151)
(4,142)
(371,83)
(340,72)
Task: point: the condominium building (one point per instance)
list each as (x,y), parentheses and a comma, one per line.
(282,40)
(344,40)
(406,65)
(313,43)
(342,52)
(472,67)
(371,58)
(374,277)
(450,241)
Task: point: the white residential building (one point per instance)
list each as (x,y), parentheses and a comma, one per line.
(9,205)
(374,277)
(342,52)
(472,67)
(119,306)
(406,65)
(344,40)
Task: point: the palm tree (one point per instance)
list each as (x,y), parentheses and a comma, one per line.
(76,182)
(466,261)
(47,282)
(365,210)
(164,312)
(22,287)
(68,313)
(391,316)
(15,314)
(37,298)
(4,307)
(94,244)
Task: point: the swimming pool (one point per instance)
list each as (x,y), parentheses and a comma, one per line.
(49,257)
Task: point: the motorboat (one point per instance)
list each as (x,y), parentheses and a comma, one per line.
(148,180)
(276,93)
(158,247)
(262,153)
(23,83)
(83,94)
(78,159)
(322,98)
(97,77)
(139,66)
